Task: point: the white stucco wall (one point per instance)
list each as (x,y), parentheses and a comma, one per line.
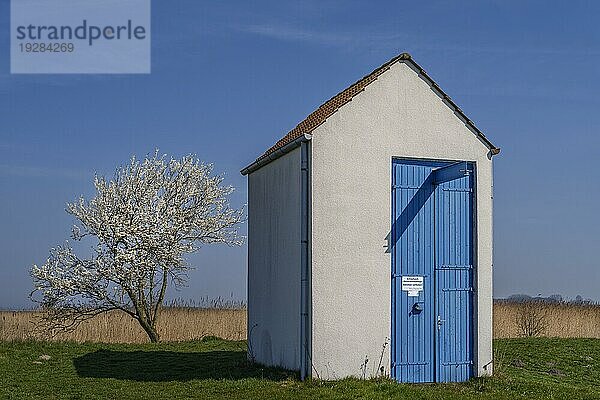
(398,115)
(274,262)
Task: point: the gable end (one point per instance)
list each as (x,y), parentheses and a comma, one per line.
(302,131)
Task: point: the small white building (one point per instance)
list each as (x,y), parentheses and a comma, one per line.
(370,237)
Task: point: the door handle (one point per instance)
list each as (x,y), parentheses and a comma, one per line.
(440,321)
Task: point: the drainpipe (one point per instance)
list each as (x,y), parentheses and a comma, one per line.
(305,324)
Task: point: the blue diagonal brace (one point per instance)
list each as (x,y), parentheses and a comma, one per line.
(451,172)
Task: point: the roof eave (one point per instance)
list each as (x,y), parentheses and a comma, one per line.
(267,158)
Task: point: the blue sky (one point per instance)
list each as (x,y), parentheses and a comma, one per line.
(228,79)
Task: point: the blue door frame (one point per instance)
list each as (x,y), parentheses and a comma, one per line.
(432,248)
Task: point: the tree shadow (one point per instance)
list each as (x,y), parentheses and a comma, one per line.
(165,366)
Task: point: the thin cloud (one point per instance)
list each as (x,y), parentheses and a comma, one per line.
(295,34)
(325,38)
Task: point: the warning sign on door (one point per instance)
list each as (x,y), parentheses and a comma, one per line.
(412,284)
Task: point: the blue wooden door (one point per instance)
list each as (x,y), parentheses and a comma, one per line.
(413,243)
(423,284)
(454,279)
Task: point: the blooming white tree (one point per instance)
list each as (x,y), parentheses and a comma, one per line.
(144,221)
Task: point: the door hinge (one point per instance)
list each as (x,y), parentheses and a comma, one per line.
(399,364)
(405,187)
(399,275)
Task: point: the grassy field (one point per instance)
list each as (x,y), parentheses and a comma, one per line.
(217,369)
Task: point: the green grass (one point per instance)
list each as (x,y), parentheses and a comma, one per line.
(217,369)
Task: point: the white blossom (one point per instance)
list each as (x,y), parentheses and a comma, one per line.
(144,221)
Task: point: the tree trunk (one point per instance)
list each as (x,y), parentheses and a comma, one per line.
(150,331)
(153,335)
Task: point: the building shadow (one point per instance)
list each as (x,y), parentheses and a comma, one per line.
(165,366)
(410,211)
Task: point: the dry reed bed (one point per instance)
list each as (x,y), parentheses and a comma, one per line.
(566,320)
(175,324)
(184,323)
